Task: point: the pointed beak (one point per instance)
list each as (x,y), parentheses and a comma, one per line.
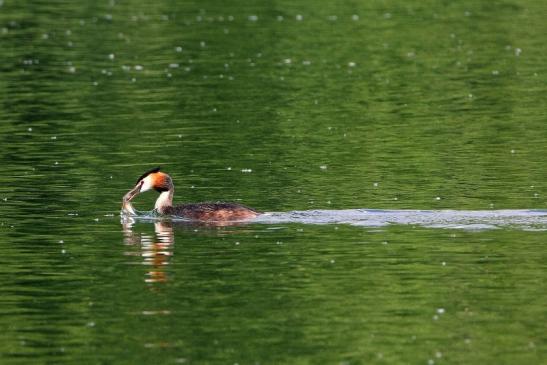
(132,193)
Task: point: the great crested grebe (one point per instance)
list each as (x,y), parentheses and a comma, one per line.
(162,183)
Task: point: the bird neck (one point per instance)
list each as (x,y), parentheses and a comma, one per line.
(165,200)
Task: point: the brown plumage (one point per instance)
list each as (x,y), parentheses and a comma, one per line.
(212,211)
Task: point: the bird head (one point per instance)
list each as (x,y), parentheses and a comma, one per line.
(152,179)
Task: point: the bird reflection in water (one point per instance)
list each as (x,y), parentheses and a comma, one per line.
(155,250)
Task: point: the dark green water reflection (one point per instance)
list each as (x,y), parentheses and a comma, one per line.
(283,106)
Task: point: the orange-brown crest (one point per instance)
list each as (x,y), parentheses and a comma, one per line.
(160,181)
(158,178)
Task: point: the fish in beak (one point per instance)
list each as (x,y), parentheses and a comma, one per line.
(133,192)
(127,207)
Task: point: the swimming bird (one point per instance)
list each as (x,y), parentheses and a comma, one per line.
(162,183)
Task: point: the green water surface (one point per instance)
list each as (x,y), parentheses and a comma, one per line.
(281,105)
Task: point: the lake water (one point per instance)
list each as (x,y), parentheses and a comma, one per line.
(399,147)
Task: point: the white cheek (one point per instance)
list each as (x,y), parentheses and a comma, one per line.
(146,184)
